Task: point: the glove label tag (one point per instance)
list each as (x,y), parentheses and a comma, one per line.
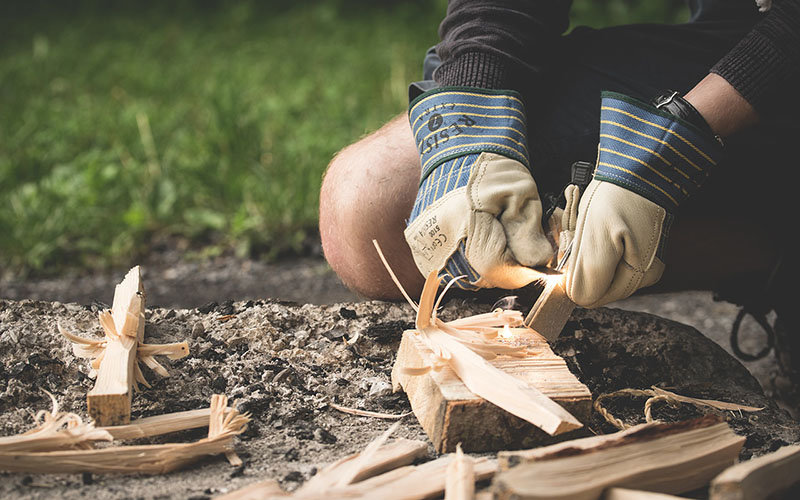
(451,122)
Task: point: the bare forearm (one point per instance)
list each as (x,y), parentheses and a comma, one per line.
(725,110)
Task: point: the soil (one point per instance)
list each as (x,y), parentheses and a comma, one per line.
(283,362)
(176,280)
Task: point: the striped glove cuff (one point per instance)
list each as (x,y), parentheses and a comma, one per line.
(651,152)
(451,122)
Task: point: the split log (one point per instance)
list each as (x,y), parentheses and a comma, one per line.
(551,310)
(389,456)
(413,481)
(451,413)
(665,458)
(224,425)
(767,476)
(109,402)
(160,424)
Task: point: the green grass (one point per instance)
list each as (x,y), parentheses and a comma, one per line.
(122,126)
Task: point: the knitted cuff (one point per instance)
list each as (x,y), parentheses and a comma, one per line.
(475,69)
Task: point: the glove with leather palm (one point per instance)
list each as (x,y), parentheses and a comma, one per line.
(477,211)
(649,161)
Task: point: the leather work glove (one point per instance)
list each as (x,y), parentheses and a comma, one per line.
(649,162)
(477,211)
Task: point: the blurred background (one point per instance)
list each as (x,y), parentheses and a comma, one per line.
(191,137)
(127,128)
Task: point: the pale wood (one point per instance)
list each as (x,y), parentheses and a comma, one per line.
(160,424)
(760,478)
(109,402)
(510,393)
(144,459)
(450,413)
(421,481)
(256,491)
(390,456)
(460,481)
(552,309)
(58,431)
(665,458)
(628,494)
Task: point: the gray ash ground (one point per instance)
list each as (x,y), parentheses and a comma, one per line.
(283,362)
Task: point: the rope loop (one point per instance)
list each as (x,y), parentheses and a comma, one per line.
(653,398)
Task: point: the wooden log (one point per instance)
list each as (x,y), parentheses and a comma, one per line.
(664,458)
(628,494)
(413,481)
(768,476)
(389,456)
(109,402)
(450,413)
(460,482)
(552,309)
(496,386)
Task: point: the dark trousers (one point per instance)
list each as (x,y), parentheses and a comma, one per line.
(642,60)
(752,188)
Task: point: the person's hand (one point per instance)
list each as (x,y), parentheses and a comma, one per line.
(478,211)
(649,161)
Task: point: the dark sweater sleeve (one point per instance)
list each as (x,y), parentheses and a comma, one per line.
(498,44)
(765,66)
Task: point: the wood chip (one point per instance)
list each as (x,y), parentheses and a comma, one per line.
(367,413)
(767,476)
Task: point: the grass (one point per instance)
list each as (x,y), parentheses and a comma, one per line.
(207,121)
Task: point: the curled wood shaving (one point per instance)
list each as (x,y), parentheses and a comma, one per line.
(95,349)
(54,430)
(477,332)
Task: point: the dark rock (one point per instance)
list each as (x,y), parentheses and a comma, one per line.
(323,436)
(207,308)
(335,334)
(346,313)
(198,330)
(219,384)
(226,308)
(16,369)
(387,331)
(294,476)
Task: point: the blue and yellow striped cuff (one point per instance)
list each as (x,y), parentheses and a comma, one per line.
(651,152)
(450,122)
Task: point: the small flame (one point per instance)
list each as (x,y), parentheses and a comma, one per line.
(506,332)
